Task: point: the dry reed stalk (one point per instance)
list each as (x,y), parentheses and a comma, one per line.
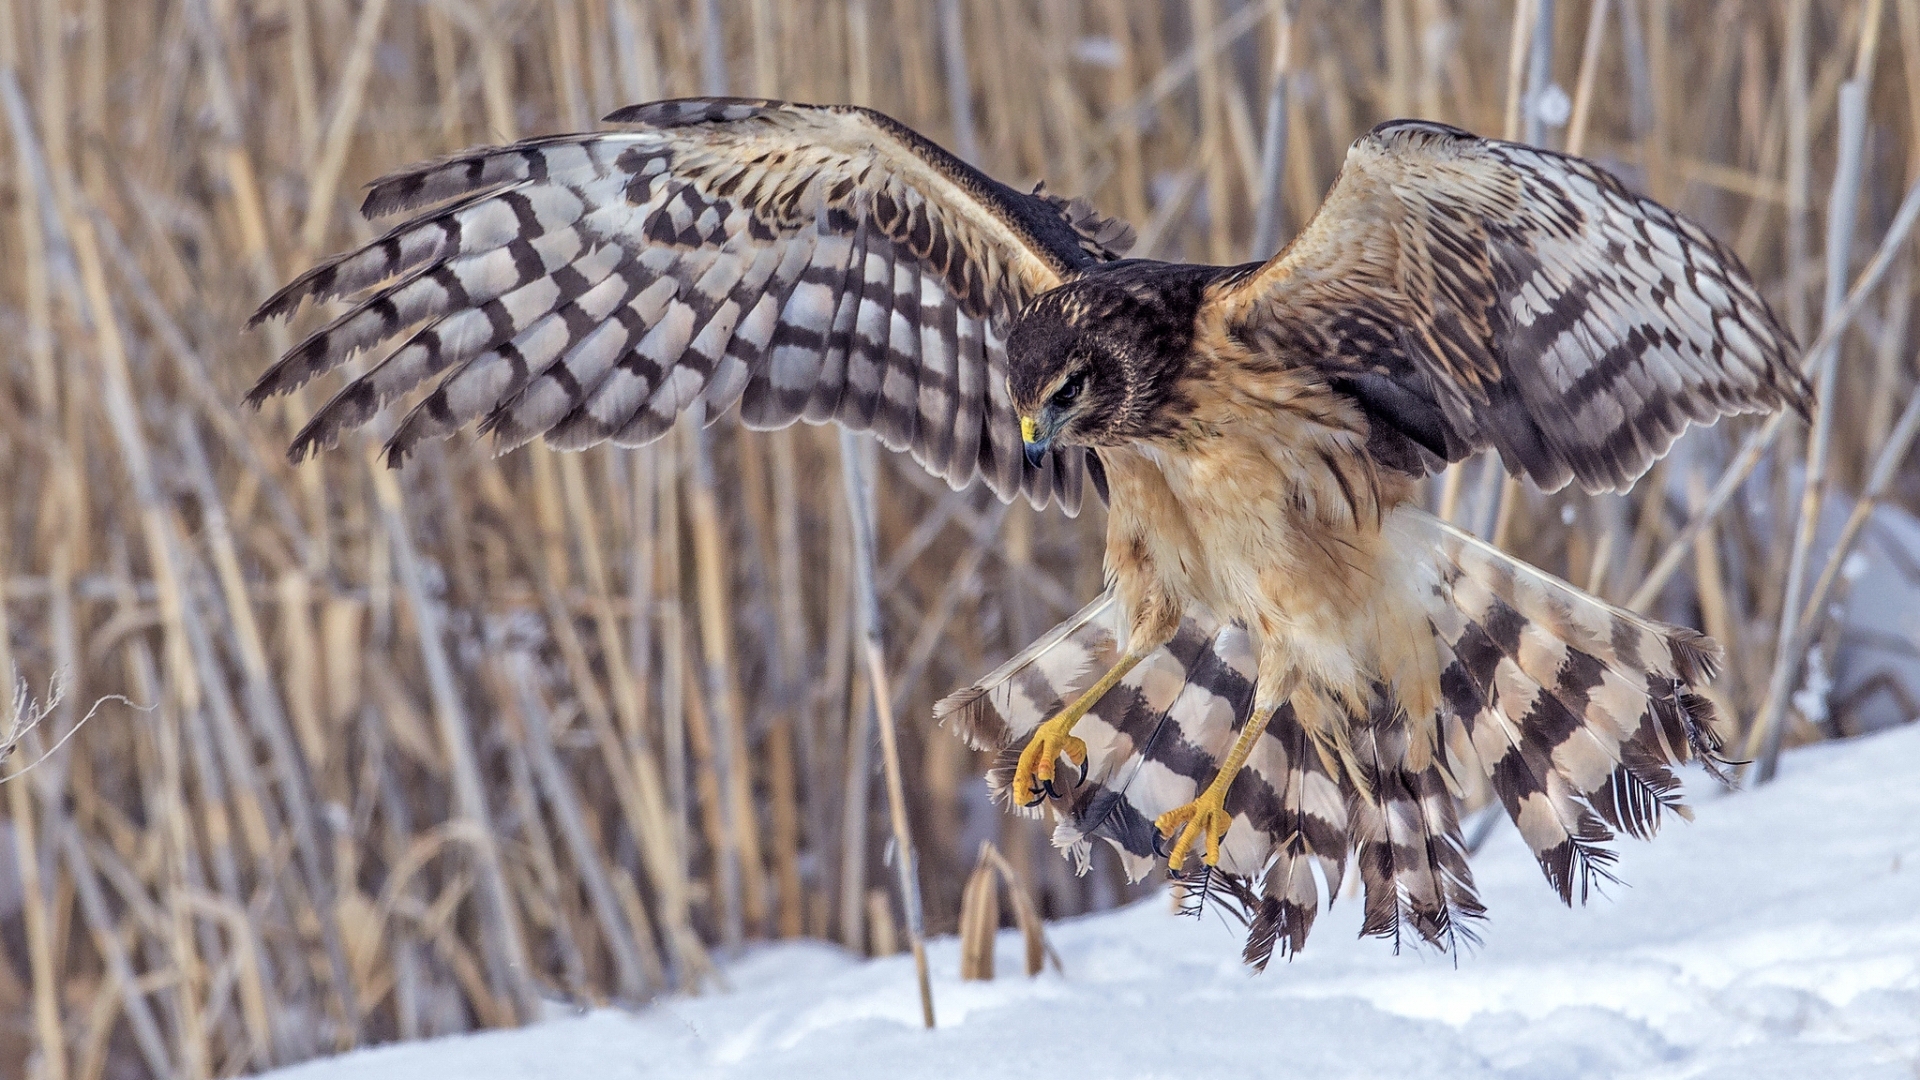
(1840,224)
(1212,139)
(979,919)
(331,157)
(1273,142)
(1892,454)
(857,770)
(502,939)
(52,1048)
(634,776)
(1799,155)
(637,971)
(647,812)
(799,826)
(856,485)
(1521,39)
(1715,608)
(42,974)
(953,51)
(1186,68)
(1129,171)
(857,480)
(741,898)
(886,937)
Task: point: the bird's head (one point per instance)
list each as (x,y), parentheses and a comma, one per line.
(1096,361)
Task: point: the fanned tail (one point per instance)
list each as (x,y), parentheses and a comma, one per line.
(1575,710)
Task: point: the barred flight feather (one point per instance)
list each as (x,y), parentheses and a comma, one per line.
(1576,712)
(805,262)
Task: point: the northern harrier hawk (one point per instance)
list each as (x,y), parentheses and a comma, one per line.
(1297,660)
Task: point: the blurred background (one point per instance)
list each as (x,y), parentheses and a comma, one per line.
(328,755)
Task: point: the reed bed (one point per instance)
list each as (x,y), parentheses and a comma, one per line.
(400,754)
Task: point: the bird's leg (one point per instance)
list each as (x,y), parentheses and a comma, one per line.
(1206,816)
(1034,775)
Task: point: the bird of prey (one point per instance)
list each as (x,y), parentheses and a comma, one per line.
(1292,662)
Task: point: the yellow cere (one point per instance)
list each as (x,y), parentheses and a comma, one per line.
(1027,429)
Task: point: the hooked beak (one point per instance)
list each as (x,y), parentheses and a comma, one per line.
(1035,444)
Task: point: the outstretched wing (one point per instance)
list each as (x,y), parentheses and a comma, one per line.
(808,262)
(1473,293)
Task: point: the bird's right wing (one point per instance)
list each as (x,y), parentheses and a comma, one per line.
(809,262)
(1474,293)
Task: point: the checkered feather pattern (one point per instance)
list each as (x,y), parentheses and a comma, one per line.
(816,263)
(1575,711)
(1474,293)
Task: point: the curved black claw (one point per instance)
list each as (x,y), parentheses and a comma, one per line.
(1052,792)
(1039,796)
(1160,849)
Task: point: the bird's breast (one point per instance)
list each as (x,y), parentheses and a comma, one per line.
(1291,536)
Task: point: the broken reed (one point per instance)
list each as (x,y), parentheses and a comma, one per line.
(425,749)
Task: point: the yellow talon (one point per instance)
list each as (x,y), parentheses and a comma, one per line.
(1033,777)
(1205,816)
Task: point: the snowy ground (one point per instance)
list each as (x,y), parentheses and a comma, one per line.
(1777,936)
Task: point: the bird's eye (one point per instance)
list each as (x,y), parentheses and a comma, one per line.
(1070,390)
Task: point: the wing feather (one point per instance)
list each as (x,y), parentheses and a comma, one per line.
(1472,293)
(807,262)
(867,363)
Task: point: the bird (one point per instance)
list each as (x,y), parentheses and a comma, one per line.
(1292,663)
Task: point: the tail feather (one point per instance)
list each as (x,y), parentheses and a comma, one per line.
(1568,739)
(1309,822)
(1493,713)
(1631,646)
(1410,855)
(1577,710)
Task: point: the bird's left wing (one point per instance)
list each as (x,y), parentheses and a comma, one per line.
(1473,293)
(809,262)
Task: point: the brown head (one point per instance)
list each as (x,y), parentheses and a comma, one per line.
(1097,361)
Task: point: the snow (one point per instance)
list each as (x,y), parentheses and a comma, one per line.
(1776,936)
